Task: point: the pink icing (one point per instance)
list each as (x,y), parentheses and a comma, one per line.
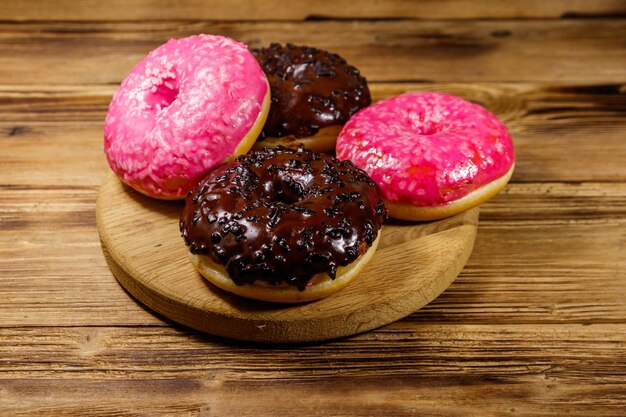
(181,111)
(427,149)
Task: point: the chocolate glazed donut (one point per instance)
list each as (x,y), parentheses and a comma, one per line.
(281,216)
(311,90)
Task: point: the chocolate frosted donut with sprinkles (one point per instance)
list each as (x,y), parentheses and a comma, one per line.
(313,94)
(283,225)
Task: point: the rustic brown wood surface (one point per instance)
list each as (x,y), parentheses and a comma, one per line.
(534,325)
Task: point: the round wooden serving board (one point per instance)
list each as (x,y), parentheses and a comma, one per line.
(414,263)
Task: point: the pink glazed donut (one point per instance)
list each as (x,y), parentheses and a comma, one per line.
(432,155)
(191,104)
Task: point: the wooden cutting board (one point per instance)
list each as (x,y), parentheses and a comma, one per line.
(414,263)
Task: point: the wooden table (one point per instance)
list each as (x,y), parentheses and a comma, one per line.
(534,325)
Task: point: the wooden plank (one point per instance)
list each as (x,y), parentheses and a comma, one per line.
(388,396)
(582,50)
(93,10)
(561,132)
(404,369)
(557,351)
(59,278)
(40,154)
(52,271)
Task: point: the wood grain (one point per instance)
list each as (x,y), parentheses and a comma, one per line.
(567,51)
(499,351)
(413,264)
(534,325)
(93,10)
(403,369)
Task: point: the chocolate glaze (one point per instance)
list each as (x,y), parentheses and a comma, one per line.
(282,216)
(310,89)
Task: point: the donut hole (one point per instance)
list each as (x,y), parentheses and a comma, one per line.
(428,129)
(425,126)
(288,191)
(288,187)
(163,94)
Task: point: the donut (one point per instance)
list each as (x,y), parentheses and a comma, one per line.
(314,93)
(432,155)
(282,225)
(191,104)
